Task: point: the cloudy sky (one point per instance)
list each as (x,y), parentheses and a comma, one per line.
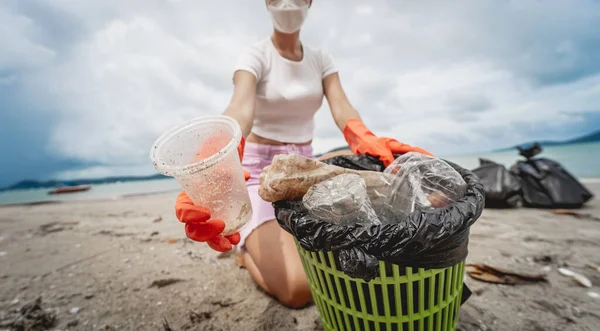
(87,86)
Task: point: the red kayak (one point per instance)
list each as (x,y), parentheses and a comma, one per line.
(70,189)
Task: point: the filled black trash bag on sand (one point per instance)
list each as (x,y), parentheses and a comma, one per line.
(502,188)
(546,184)
(432,239)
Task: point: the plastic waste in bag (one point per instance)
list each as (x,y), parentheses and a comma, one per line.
(341,200)
(429,238)
(290,176)
(546,184)
(433,181)
(419,182)
(502,188)
(414,181)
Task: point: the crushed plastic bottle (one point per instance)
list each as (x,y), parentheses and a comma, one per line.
(341,200)
(420,182)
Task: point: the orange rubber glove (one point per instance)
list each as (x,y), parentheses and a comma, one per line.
(198,225)
(363,141)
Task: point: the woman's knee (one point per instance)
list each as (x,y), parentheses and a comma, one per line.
(296,294)
(274,252)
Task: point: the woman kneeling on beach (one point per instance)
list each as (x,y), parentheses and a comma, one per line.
(279,84)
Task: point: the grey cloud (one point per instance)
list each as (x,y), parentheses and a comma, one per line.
(464,117)
(450,138)
(20,47)
(494,131)
(58,29)
(468,103)
(550,43)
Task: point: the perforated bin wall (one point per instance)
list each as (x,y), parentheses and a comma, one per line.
(400,299)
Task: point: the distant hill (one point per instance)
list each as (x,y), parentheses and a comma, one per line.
(33,184)
(588,138)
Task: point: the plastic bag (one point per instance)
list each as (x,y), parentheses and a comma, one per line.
(502,188)
(434,238)
(341,200)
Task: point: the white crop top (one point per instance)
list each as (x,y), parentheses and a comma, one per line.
(288,93)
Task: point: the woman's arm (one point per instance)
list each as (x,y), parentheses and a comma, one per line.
(340,106)
(241,106)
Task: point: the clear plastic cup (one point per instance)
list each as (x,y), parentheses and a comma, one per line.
(202,156)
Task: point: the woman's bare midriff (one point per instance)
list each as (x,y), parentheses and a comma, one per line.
(253,138)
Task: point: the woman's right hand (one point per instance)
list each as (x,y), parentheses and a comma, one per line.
(199,226)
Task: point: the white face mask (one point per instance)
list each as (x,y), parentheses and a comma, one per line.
(288,15)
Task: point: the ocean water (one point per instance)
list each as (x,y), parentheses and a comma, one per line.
(582,161)
(97,192)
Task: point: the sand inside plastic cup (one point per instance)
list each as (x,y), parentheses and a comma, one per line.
(202,156)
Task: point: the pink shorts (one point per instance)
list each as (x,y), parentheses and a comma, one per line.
(256,158)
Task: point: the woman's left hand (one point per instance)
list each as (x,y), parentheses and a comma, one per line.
(363,141)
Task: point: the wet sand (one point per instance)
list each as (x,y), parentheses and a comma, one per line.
(126,265)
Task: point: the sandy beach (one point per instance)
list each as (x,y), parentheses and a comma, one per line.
(126,265)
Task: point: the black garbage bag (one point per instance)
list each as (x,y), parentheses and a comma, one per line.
(546,184)
(502,188)
(436,238)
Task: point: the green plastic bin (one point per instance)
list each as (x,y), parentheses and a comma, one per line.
(400,299)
